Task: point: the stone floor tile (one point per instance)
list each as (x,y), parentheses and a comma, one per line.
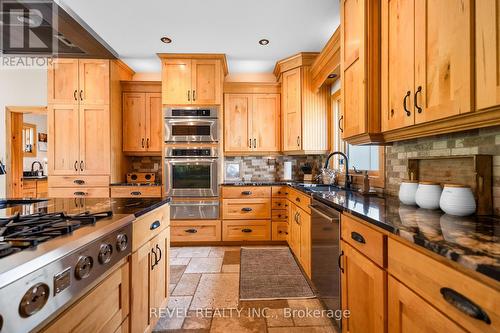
(171,288)
(216,291)
(193,251)
(179,261)
(230,268)
(218,251)
(187,285)
(243,324)
(197,321)
(176,272)
(204,265)
(276,317)
(174,319)
(173,252)
(231,258)
(300,317)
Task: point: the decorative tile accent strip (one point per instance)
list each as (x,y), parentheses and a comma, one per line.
(480,141)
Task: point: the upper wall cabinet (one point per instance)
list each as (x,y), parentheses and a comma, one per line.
(192,80)
(304,110)
(78,81)
(487,55)
(360,70)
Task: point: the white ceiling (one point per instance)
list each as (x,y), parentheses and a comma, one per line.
(133,28)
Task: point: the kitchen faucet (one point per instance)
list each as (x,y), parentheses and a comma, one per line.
(347,177)
(40,167)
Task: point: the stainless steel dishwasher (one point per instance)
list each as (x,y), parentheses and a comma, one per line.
(325,272)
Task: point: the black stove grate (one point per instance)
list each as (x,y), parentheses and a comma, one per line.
(24,231)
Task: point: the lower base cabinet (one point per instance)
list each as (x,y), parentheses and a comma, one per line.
(104,309)
(299,236)
(408,312)
(363,293)
(196,231)
(246,230)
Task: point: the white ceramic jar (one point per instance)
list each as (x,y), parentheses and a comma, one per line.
(457,200)
(428,195)
(407,191)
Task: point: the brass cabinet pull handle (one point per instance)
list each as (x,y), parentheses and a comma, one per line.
(135,193)
(464,305)
(191,231)
(246,230)
(408,113)
(194,95)
(81,95)
(340,122)
(189,95)
(419,90)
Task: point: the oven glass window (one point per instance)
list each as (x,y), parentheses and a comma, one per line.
(183,130)
(191,176)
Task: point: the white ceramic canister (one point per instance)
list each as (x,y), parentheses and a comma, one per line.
(407,191)
(457,200)
(428,195)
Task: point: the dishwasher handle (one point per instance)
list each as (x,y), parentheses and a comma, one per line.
(329,218)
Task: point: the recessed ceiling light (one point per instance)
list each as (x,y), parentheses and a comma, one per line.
(166,40)
(331,76)
(264,41)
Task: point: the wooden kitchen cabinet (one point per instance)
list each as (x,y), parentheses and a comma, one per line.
(62,81)
(300,236)
(487,24)
(196,81)
(142,122)
(94,134)
(256,118)
(304,110)
(364,287)
(35,188)
(360,70)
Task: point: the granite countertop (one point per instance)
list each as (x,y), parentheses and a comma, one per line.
(472,242)
(135,184)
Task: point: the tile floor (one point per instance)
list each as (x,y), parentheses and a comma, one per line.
(204,298)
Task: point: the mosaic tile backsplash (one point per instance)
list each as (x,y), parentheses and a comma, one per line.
(479,141)
(271,168)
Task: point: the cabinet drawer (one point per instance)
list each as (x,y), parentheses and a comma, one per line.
(279,191)
(247,209)
(430,279)
(279,215)
(79,192)
(300,199)
(135,191)
(247,230)
(41,187)
(29,184)
(279,231)
(365,239)
(73,181)
(149,226)
(241,192)
(196,231)
(279,204)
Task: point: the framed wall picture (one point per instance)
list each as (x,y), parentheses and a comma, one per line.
(42,141)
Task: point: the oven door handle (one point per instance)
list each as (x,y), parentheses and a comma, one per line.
(315,210)
(191,160)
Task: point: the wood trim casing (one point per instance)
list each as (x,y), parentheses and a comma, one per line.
(297,60)
(219,56)
(327,62)
(252,88)
(141,86)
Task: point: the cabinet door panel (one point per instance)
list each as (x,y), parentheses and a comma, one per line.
(292,110)
(94,140)
(353,101)
(236,122)
(443,48)
(206,82)
(154,121)
(266,122)
(363,293)
(63,142)
(93,81)
(407,312)
(176,81)
(294,237)
(134,122)
(158,289)
(305,241)
(487,53)
(139,296)
(399,62)
(62,81)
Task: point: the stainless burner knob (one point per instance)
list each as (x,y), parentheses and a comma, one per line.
(105,253)
(121,242)
(83,267)
(34,299)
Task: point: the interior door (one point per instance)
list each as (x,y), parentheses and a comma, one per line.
(398,31)
(94,140)
(236,123)
(62,82)
(176,81)
(63,143)
(134,122)
(443,64)
(93,80)
(206,82)
(487,53)
(292,110)
(265,126)
(154,122)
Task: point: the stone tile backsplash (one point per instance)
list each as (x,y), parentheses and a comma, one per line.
(271,168)
(146,164)
(479,141)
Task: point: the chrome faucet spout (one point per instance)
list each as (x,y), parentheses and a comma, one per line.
(346,159)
